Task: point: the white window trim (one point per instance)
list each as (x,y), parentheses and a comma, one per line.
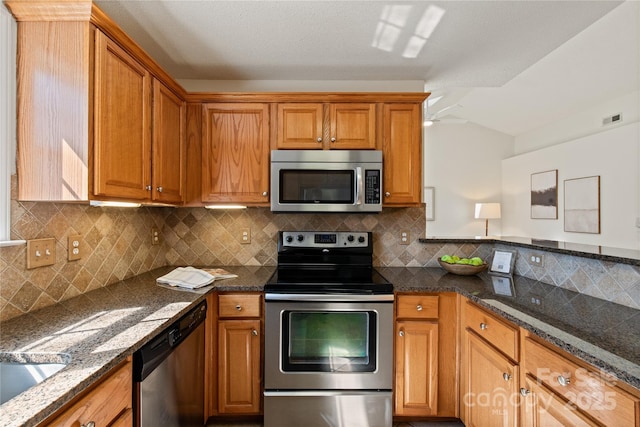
(7,121)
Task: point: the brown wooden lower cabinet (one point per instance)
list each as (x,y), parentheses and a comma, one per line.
(489,391)
(239,379)
(234,354)
(542,408)
(558,388)
(108,403)
(425,355)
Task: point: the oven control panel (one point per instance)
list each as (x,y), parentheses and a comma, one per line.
(333,239)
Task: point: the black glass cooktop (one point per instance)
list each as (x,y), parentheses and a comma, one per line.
(350,280)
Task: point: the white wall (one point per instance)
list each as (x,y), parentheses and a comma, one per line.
(613,154)
(463,163)
(586,122)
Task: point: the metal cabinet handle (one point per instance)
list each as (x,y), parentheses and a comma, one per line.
(89,424)
(254,332)
(419,307)
(483,326)
(524,392)
(387,194)
(148,188)
(563,381)
(239,307)
(333,139)
(160,189)
(264,193)
(319,139)
(401,333)
(506,376)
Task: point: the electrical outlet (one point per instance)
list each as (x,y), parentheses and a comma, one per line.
(74,247)
(537,260)
(156,238)
(41,252)
(245,236)
(405,237)
(536,300)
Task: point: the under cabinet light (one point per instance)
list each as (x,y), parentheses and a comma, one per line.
(110,204)
(225,207)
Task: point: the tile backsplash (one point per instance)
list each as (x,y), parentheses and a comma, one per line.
(117,244)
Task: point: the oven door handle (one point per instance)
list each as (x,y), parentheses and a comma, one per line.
(329,297)
(359,186)
(268,393)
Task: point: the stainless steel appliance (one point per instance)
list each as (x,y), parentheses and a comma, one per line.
(326,181)
(328,334)
(168,374)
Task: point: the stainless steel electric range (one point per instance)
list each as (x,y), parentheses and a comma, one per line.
(328,334)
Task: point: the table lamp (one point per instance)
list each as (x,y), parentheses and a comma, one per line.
(487,211)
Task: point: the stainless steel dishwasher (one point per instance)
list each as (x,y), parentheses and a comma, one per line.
(168,374)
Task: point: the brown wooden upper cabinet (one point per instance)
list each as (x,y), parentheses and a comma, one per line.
(139,130)
(402,154)
(122,118)
(94,124)
(345,126)
(235,153)
(168,167)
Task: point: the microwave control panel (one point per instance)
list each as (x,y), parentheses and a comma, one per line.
(372,186)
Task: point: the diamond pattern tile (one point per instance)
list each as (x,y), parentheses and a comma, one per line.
(117,245)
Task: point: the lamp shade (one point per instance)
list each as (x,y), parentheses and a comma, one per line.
(487,210)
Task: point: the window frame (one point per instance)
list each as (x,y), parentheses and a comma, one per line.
(8,46)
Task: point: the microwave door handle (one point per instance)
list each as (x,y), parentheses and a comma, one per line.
(359,187)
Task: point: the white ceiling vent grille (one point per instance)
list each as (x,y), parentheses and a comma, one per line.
(616,118)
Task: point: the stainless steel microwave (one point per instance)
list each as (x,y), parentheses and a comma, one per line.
(326,181)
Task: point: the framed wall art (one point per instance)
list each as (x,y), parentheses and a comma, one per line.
(582,205)
(544,195)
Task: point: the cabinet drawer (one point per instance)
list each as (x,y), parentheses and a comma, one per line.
(417,307)
(501,335)
(103,404)
(591,391)
(239,305)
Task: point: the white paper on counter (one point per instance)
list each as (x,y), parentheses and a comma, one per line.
(187,277)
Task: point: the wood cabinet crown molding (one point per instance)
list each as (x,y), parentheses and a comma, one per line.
(310,97)
(60,10)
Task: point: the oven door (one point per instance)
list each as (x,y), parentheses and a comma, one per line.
(325,342)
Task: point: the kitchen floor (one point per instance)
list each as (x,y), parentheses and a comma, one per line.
(410,424)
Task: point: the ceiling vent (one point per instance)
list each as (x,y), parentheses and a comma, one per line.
(616,118)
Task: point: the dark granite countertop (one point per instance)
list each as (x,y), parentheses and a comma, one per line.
(605,253)
(101,328)
(602,333)
(98,330)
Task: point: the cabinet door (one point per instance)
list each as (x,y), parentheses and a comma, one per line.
(416,388)
(541,408)
(239,379)
(168,145)
(402,154)
(109,401)
(299,126)
(122,130)
(491,394)
(353,126)
(235,153)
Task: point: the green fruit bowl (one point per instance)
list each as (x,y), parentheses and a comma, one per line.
(462,269)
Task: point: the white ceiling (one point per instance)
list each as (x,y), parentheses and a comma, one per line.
(478,53)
